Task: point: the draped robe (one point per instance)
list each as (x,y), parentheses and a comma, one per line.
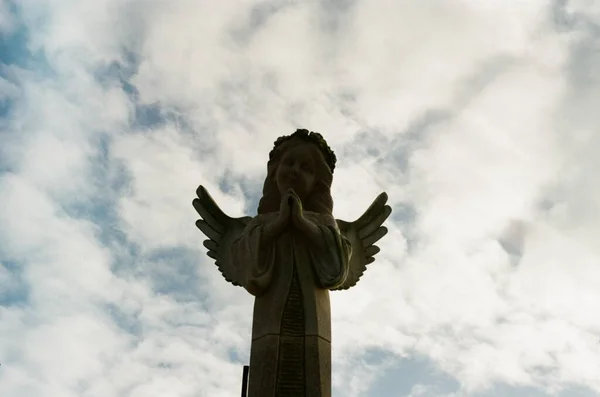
(290,278)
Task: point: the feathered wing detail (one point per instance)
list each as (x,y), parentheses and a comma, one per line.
(362,234)
(221,230)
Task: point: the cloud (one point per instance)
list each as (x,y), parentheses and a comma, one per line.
(478,119)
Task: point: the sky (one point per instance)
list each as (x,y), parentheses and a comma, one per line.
(480,119)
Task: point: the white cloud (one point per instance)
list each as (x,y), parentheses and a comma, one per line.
(478,118)
(7,19)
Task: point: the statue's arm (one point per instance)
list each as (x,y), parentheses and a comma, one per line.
(271,230)
(308,223)
(253,253)
(329,250)
(275,223)
(312,232)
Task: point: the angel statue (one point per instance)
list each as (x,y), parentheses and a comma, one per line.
(288,257)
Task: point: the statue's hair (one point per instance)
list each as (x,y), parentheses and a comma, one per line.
(307,136)
(319,200)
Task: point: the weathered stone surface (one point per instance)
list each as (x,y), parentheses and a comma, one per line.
(289,256)
(318,354)
(264,355)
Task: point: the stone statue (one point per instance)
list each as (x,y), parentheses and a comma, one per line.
(288,257)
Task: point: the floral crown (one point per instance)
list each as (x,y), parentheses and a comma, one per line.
(308,136)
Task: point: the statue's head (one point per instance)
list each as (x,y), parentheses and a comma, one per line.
(303,162)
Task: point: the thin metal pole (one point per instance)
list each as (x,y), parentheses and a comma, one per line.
(245,381)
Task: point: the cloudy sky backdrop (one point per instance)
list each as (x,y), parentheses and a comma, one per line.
(479,118)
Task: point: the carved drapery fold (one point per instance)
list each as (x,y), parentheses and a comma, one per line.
(289,279)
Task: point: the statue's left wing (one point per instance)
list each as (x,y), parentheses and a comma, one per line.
(362,234)
(221,230)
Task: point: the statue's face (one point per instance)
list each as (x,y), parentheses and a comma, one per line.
(296,170)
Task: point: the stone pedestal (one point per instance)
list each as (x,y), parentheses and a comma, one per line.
(287,376)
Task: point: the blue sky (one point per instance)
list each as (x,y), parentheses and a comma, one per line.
(479,119)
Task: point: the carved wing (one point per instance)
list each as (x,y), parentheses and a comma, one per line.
(362,234)
(221,230)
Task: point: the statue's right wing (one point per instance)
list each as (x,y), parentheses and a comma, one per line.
(221,230)
(362,234)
